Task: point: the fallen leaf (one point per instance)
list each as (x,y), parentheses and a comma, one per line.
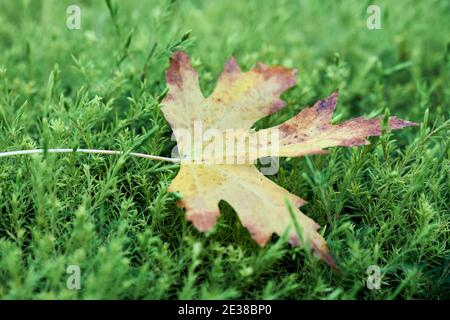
(237,102)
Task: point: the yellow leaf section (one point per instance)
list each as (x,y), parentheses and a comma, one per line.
(259,203)
(242,98)
(238,101)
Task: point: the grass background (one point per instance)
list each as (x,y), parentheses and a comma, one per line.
(99,87)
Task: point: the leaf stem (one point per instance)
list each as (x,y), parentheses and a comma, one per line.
(93,151)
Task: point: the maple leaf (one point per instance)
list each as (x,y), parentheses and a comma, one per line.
(237,102)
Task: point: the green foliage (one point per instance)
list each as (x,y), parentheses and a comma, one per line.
(384,204)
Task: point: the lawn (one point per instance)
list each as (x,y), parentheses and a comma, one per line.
(386,204)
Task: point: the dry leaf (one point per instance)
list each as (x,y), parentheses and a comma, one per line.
(237,102)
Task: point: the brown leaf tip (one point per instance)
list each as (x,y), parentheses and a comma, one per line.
(285,76)
(232,66)
(179,63)
(204,220)
(328,105)
(321,253)
(325,256)
(300,202)
(256,234)
(397,123)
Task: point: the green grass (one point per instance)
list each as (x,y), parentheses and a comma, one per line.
(384,204)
